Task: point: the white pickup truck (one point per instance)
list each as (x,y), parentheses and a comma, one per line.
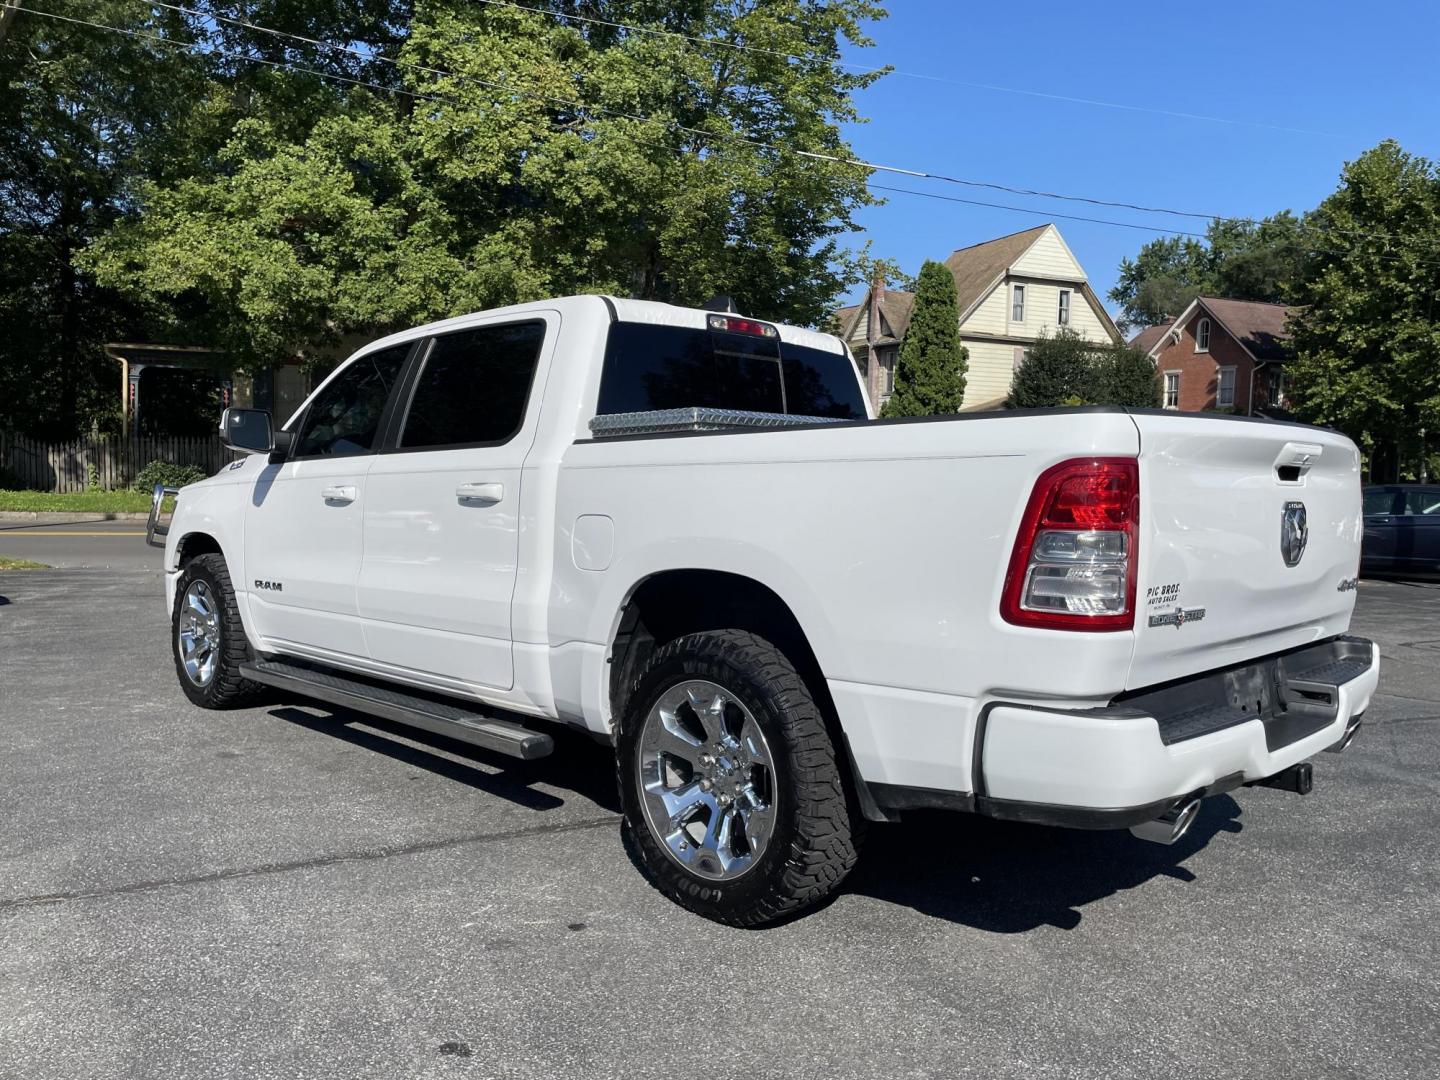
(683,532)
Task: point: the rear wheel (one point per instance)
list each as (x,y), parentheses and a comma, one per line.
(208,639)
(734,800)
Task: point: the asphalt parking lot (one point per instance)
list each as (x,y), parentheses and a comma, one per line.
(286,892)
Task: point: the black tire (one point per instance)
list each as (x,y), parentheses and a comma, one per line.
(816,830)
(226,688)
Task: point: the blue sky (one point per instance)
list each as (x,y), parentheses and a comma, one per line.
(1305,86)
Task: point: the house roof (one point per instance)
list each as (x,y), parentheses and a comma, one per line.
(1148,338)
(895,309)
(1257,326)
(976,267)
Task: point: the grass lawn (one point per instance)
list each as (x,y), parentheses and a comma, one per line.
(87,502)
(20,564)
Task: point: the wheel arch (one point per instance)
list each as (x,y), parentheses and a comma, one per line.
(670,603)
(196,543)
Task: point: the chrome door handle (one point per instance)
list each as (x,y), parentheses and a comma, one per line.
(339,493)
(480,494)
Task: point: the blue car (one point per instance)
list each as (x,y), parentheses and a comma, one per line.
(1402,529)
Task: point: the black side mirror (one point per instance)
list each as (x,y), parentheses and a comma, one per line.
(247,430)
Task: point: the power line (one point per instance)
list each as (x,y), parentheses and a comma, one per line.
(583,108)
(1037,213)
(892,70)
(838,159)
(217,51)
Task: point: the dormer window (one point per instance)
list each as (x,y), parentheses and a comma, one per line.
(1202,336)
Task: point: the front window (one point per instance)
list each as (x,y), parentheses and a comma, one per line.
(1062,317)
(1017,304)
(1225,392)
(1172,390)
(344,418)
(1202,336)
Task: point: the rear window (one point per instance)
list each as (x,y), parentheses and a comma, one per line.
(649,367)
(473,386)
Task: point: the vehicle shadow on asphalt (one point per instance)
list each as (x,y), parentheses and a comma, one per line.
(1007,878)
(577,765)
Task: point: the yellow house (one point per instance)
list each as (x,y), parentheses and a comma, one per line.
(1010,291)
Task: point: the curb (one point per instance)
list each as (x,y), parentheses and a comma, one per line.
(59,517)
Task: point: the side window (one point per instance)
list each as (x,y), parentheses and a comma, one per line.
(344,418)
(473,386)
(1378,501)
(1421,502)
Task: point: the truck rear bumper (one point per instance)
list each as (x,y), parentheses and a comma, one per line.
(1130,761)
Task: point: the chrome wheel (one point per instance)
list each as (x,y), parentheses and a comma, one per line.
(197,633)
(707,780)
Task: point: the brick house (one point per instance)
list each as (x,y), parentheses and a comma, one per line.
(1221,354)
(1010,291)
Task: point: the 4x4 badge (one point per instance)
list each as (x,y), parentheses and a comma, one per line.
(1294,532)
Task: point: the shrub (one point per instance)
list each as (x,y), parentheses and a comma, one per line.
(169,474)
(1125,376)
(1057,372)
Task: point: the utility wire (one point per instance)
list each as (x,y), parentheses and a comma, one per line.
(892,70)
(708,135)
(837,159)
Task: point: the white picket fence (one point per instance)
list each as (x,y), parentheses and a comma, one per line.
(41,466)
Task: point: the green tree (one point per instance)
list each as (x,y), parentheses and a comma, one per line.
(931,365)
(1164,277)
(88,117)
(76,111)
(534,157)
(1056,371)
(1242,260)
(1367,335)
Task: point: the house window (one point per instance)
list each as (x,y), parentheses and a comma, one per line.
(1225,392)
(1172,390)
(1017,304)
(887,373)
(1018,359)
(1063,315)
(1277,388)
(1202,336)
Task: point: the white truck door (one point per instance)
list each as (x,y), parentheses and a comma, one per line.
(302,525)
(443,510)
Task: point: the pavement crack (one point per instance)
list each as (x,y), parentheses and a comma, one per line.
(364,855)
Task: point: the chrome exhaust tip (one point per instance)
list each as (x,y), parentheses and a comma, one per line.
(1351,730)
(1169,826)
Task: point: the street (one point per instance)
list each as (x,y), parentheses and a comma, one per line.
(55,540)
(286,892)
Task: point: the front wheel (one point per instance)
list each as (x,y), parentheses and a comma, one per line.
(207,637)
(735,804)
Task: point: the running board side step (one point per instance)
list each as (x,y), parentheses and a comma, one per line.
(454,720)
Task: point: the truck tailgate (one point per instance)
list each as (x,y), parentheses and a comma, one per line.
(1223,503)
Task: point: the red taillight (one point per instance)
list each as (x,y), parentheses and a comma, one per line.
(736,325)
(1074,560)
